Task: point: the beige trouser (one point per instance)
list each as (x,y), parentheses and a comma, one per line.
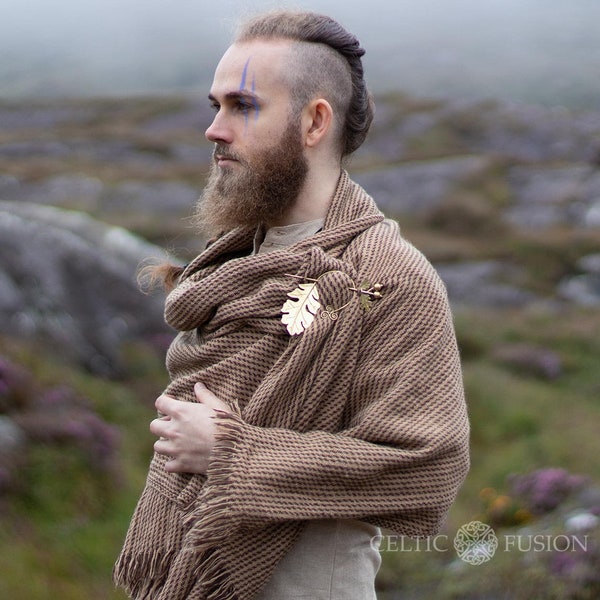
(332,560)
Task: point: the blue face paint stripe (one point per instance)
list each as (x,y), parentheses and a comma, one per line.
(242,87)
(254,100)
(244,75)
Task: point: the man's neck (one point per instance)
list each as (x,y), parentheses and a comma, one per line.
(314,199)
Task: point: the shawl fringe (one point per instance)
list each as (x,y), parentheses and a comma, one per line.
(213,517)
(139,572)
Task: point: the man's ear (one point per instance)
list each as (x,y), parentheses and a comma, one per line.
(317,120)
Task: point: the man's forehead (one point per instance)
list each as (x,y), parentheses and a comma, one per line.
(252,64)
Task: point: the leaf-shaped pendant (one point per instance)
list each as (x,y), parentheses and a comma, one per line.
(299,312)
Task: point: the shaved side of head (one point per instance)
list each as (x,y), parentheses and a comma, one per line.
(324,61)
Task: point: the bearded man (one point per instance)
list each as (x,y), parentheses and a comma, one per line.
(316,392)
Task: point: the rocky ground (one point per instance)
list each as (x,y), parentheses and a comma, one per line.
(479,186)
(504,200)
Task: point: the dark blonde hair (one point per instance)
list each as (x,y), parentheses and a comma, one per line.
(327,59)
(165,275)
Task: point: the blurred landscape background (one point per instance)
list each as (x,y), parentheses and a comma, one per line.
(485,148)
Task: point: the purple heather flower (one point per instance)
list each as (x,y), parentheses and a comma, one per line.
(543,490)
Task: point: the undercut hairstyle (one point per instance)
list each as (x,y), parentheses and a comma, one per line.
(325,61)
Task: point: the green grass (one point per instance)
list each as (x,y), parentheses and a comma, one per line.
(63,526)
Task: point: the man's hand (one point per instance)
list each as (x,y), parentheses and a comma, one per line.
(187,430)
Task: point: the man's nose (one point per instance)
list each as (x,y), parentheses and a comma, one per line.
(218,131)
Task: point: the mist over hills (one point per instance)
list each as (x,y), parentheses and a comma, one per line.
(522,50)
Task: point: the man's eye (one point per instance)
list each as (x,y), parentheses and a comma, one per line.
(244,107)
(215,107)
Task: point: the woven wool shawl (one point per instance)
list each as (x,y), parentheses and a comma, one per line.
(359,417)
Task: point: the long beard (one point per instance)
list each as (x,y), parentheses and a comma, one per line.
(257,190)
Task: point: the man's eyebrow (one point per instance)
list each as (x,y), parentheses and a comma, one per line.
(238,95)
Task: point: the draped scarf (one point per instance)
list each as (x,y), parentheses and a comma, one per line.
(362,416)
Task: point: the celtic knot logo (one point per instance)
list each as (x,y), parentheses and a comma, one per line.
(475,543)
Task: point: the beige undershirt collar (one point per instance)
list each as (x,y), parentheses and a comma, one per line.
(276,238)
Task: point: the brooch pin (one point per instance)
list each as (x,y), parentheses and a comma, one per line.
(299,311)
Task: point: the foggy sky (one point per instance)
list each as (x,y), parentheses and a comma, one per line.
(533,50)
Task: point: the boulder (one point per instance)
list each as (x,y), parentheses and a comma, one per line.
(71,280)
(419,186)
(483,283)
(583,288)
(549,195)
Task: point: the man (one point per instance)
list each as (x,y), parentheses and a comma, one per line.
(316,391)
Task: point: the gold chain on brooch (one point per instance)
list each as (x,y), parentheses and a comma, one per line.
(299,311)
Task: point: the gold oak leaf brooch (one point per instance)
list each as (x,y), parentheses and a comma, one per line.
(299,311)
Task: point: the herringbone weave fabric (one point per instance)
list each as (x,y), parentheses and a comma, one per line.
(362,417)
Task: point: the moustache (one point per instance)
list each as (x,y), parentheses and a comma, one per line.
(224,152)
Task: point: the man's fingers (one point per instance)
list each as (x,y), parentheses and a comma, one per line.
(166,404)
(202,392)
(204,395)
(172,466)
(162,447)
(159,427)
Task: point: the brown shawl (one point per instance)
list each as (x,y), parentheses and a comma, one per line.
(362,417)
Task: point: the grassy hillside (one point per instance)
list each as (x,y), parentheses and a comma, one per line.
(530,370)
